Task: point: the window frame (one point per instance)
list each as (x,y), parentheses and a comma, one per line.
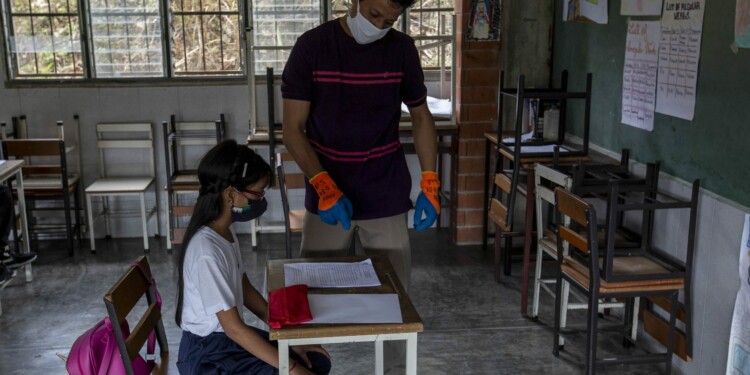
(246,33)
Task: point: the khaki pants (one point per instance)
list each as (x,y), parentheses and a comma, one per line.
(388,236)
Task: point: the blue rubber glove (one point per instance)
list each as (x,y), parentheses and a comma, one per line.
(428,202)
(341,211)
(333,205)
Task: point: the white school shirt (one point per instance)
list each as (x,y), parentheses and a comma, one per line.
(212,275)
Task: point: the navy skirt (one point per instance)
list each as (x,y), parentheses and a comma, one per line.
(218,354)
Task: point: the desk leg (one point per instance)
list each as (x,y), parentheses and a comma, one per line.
(144,220)
(379,366)
(486,201)
(284,357)
(253,235)
(529,225)
(411,354)
(24,224)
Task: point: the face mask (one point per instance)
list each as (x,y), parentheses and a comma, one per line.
(249,212)
(363,31)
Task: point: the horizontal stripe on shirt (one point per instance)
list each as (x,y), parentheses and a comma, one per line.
(356,156)
(357,78)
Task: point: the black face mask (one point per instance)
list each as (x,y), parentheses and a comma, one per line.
(249,212)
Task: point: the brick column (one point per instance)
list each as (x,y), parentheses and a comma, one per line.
(478,70)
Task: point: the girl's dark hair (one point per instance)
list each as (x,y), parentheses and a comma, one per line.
(226,165)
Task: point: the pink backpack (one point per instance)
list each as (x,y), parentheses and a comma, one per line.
(96,353)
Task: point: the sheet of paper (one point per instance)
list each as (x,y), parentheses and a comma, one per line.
(585,11)
(354,308)
(640,7)
(738,362)
(742,24)
(679,53)
(438,107)
(639,75)
(1,162)
(331,275)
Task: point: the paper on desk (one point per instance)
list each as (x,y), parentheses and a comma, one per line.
(354,308)
(1,162)
(331,275)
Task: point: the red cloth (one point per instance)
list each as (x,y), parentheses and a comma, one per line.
(288,306)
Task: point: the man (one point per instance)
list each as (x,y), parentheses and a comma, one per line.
(343,86)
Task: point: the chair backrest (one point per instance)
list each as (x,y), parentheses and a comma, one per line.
(289,180)
(127,136)
(120,300)
(582,248)
(546,179)
(499,209)
(28,148)
(178,135)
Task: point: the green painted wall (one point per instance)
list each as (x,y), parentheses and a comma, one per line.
(715,146)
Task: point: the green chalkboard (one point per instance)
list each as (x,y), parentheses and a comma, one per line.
(714,147)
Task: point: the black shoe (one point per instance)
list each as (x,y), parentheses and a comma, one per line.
(15,260)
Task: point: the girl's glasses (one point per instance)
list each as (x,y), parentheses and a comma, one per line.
(256,194)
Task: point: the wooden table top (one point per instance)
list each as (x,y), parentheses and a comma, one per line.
(9,167)
(389,284)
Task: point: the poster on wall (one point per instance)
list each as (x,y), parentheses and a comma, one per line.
(679,53)
(639,74)
(738,360)
(742,24)
(585,11)
(484,23)
(640,7)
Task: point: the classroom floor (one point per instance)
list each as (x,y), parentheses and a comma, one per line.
(472,324)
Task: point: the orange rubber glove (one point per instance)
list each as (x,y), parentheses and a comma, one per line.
(428,201)
(333,205)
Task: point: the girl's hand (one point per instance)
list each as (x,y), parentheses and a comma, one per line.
(301,351)
(300,370)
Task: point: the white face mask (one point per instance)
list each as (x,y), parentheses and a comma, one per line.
(363,31)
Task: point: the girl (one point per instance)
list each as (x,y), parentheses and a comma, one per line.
(212,287)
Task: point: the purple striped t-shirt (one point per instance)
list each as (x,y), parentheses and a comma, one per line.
(355,93)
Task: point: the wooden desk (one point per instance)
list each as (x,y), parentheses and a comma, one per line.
(8,169)
(309,334)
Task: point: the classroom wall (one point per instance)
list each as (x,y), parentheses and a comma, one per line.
(154,104)
(709,148)
(713,146)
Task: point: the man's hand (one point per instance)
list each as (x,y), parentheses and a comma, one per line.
(428,201)
(333,205)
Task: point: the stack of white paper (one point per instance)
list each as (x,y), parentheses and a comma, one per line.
(354,308)
(331,275)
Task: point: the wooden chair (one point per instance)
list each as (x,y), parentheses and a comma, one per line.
(641,274)
(180,138)
(136,283)
(289,181)
(120,137)
(48,181)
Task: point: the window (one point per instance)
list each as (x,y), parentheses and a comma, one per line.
(126,38)
(44,39)
(431,26)
(276,26)
(206,37)
(183,38)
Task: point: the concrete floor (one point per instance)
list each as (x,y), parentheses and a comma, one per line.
(472,323)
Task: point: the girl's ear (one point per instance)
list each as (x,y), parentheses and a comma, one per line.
(228,195)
